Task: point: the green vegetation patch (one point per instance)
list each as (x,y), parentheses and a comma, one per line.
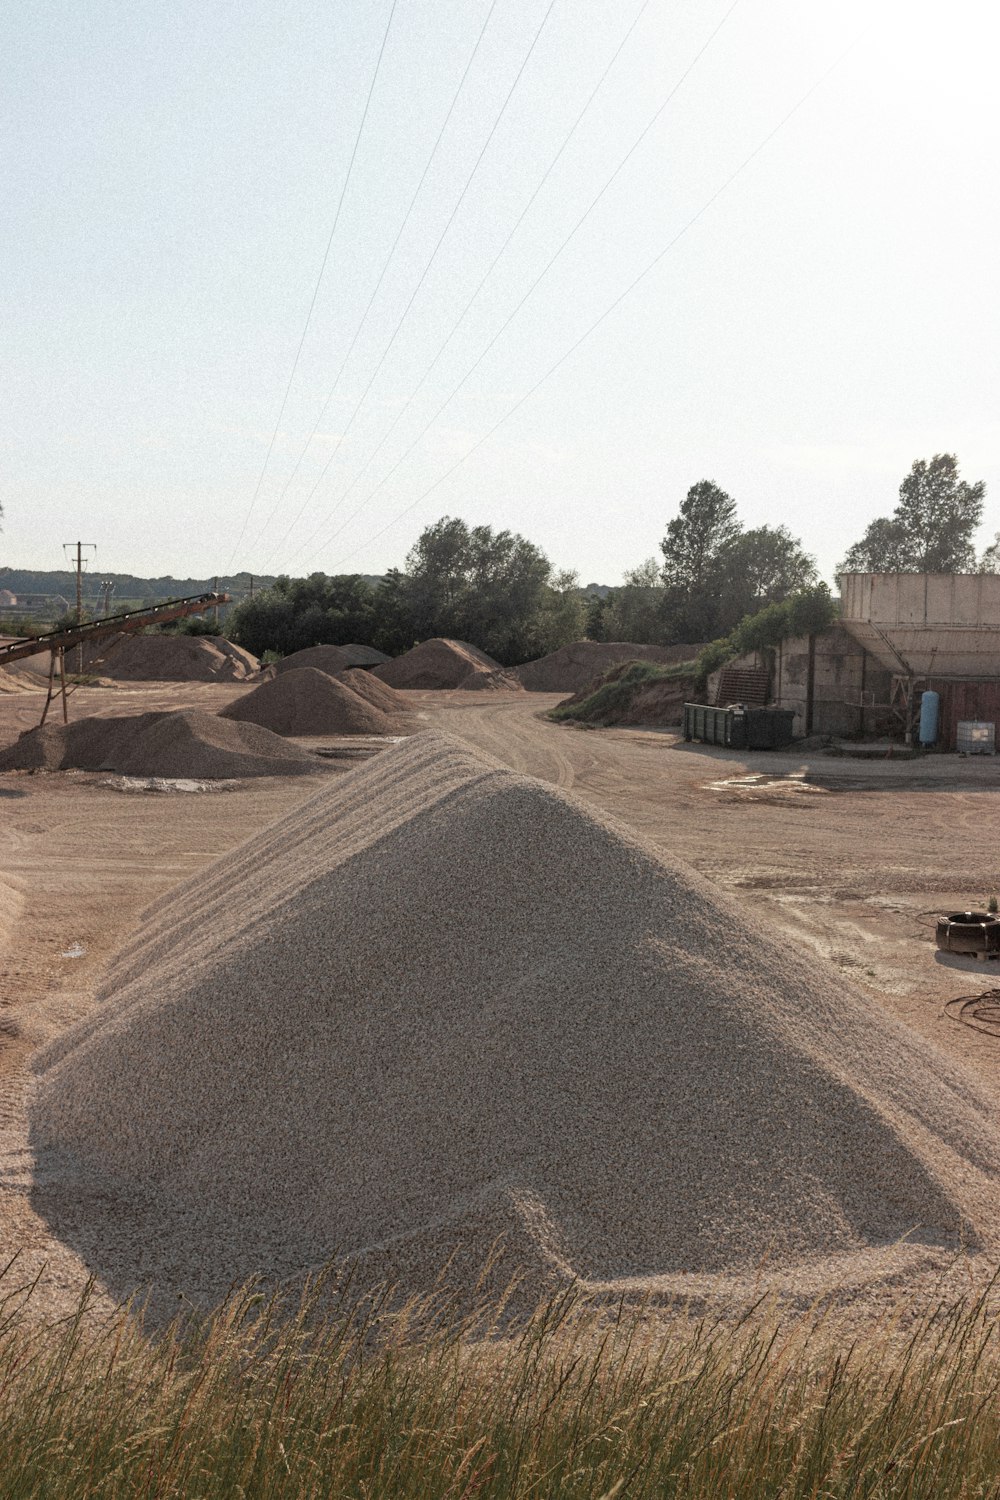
(614,694)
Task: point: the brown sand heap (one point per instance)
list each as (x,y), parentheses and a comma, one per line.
(378,693)
(305,701)
(503,680)
(189,743)
(329,659)
(572,667)
(168,658)
(440,1001)
(435,664)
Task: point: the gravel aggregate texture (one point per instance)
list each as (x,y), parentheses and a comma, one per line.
(435,664)
(503,680)
(329,659)
(440,1002)
(573,667)
(373,690)
(168,658)
(188,743)
(306,701)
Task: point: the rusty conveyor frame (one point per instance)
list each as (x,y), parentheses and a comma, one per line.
(58,642)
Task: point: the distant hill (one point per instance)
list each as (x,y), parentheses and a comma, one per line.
(131,586)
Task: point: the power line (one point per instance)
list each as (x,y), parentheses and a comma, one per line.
(433,255)
(489,272)
(378,285)
(546,268)
(319,278)
(636,281)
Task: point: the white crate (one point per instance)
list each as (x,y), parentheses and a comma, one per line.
(976,738)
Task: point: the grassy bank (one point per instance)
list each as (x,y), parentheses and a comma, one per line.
(642,688)
(252,1405)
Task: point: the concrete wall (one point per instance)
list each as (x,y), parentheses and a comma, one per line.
(968,599)
(841,670)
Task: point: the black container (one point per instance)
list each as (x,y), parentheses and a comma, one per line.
(739,728)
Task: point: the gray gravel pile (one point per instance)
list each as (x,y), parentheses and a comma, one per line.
(188,743)
(440,1001)
(435,664)
(306,701)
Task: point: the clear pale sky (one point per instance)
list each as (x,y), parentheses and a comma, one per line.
(170,176)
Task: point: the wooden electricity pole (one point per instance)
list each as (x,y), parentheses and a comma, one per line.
(81,547)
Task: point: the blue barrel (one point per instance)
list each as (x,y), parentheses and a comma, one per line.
(930,704)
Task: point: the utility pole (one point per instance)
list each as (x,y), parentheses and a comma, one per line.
(215,607)
(81,547)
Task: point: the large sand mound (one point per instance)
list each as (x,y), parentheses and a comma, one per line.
(306,701)
(435,664)
(440,1000)
(189,744)
(167,658)
(572,667)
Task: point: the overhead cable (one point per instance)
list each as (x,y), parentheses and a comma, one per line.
(628,290)
(542,274)
(423,275)
(385,266)
(485,278)
(319,279)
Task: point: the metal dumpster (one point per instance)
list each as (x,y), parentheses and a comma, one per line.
(739,728)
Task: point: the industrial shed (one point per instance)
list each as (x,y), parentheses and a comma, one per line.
(899,634)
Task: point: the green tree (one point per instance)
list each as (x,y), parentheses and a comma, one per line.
(597,618)
(564,611)
(635,611)
(299,612)
(714,572)
(930,531)
(480,585)
(760,567)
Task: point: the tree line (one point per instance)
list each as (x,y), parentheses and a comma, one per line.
(714,575)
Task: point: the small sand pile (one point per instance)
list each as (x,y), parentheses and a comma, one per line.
(378,693)
(503,680)
(305,701)
(12,682)
(168,658)
(440,1001)
(572,667)
(435,664)
(186,744)
(328,659)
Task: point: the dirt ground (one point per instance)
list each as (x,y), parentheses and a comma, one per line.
(846,858)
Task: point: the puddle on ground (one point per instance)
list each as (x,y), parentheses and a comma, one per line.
(759,782)
(167,784)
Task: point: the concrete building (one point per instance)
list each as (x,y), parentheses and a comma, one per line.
(899,634)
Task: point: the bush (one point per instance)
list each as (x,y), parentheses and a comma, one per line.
(804,613)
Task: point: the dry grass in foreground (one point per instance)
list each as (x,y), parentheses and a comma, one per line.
(262,1399)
